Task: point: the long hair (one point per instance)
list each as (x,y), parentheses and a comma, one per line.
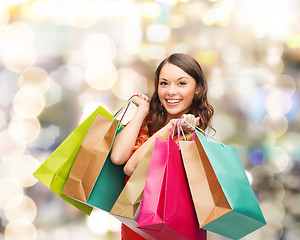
(200,106)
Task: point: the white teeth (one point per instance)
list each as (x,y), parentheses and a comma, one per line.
(173,101)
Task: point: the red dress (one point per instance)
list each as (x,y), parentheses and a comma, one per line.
(126,232)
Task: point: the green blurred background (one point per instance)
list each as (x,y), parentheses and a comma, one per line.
(60,59)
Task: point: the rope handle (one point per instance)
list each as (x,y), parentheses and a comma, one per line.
(179,129)
(200,130)
(125,104)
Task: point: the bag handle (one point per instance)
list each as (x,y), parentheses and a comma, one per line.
(179,129)
(125,106)
(200,130)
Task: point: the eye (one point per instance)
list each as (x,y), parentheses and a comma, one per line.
(182,83)
(163,83)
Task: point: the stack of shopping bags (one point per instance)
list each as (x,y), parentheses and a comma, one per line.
(179,190)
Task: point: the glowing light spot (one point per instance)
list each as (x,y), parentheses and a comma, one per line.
(9,148)
(128,83)
(278,125)
(23,208)
(279,160)
(20,60)
(24,130)
(158,33)
(22,168)
(37,10)
(20,229)
(99,47)
(150,10)
(28,102)
(278,103)
(108,222)
(35,77)
(9,188)
(100,75)
(293,41)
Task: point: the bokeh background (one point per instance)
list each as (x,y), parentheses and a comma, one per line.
(60,59)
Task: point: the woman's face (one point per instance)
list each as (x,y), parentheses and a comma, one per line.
(176,90)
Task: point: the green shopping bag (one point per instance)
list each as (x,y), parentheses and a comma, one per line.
(93,178)
(54,171)
(222,163)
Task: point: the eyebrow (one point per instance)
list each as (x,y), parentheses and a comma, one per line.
(176,79)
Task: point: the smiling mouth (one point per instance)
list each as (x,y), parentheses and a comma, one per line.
(173,101)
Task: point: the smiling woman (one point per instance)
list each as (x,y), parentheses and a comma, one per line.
(180,92)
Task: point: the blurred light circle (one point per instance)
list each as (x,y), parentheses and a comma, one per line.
(155,52)
(286,83)
(278,103)
(273,211)
(24,130)
(20,230)
(54,94)
(89,108)
(256,156)
(158,33)
(225,125)
(21,209)
(96,217)
(22,168)
(15,37)
(26,31)
(177,20)
(128,36)
(128,83)
(36,10)
(9,188)
(19,60)
(293,41)
(100,75)
(279,160)
(150,10)
(9,148)
(28,102)
(35,77)
(207,57)
(98,47)
(4,17)
(278,125)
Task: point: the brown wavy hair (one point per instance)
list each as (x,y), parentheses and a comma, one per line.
(200,106)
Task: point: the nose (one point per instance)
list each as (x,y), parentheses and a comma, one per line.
(172,89)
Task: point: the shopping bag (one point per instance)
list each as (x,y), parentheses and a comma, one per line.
(223,197)
(167,210)
(94,179)
(54,171)
(127,207)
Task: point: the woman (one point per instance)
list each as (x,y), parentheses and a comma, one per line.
(180,92)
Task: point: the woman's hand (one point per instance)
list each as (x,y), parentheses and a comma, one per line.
(191,119)
(142,102)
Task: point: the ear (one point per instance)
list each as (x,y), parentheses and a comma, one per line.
(197,90)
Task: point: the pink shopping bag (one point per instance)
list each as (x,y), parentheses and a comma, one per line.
(167,209)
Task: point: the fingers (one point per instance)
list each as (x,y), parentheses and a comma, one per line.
(140,99)
(143,97)
(192,120)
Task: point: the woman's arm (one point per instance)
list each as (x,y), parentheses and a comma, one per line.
(164,132)
(125,140)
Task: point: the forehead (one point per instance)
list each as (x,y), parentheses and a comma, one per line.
(170,70)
